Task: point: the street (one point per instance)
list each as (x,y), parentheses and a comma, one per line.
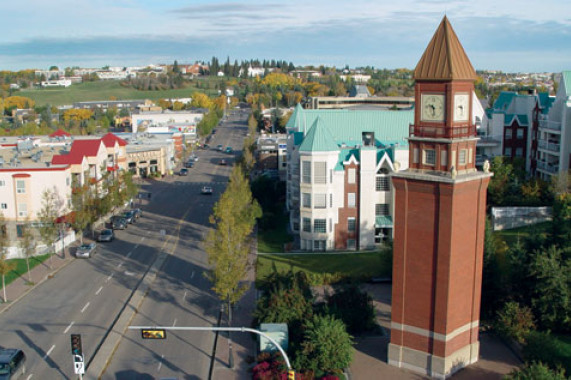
(89,297)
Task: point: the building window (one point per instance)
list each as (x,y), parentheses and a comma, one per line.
(320,175)
(22,210)
(508,133)
(351,200)
(462,157)
(429,157)
(320,225)
(519,152)
(306,225)
(20,230)
(296,226)
(2,183)
(331,200)
(306,200)
(381,209)
(320,200)
(351,225)
(20,186)
(508,151)
(382,183)
(351,175)
(3,206)
(351,244)
(306,172)
(319,245)
(519,133)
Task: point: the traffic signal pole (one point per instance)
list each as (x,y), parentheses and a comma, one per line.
(239,329)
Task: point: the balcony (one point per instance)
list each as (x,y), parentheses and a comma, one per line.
(488,142)
(548,145)
(550,125)
(439,132)
(547,167)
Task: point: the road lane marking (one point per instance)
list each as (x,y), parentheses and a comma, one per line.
(192,275)
(30,376)
(129,254)
(49,351)
(85,307)
(99,290)
(68,327)
(160,363)
(184,296)
(109,277)
(120,264)
(174,323)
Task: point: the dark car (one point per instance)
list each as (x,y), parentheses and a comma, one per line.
(189,164)
(106,235)
(85,251)
(137,212)
(129,216)
(222,162)
(118,223)
(229,150)
(183,172)
(12,363)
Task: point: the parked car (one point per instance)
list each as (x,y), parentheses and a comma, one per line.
(12,363)
(189,164)
(206,190)
(222,162)
(85,251)
(129,216)
(118,223)
(219,147)
(106,235)
(183,172)
(229,150)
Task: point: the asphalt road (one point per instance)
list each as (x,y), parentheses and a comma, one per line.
(88,296)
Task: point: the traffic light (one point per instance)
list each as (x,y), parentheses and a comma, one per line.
(291,374)
(76,344)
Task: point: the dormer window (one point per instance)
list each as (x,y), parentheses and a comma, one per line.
(368,138)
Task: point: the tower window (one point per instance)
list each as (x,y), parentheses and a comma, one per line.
(462,157)
(351,200)
(351,225)
(351,175)
(429,157)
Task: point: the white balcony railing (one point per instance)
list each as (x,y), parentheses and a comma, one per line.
(551,125)
(547,167)
(553,147)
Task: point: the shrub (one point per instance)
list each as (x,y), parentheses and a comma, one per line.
(354,308)
(536,371)
(514,321)
(545,348)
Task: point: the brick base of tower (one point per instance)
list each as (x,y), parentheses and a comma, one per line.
(437,270)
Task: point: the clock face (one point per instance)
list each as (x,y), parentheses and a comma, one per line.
(461,108)
(432,107)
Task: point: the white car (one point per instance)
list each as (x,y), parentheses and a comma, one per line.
(85,251)
(206,190)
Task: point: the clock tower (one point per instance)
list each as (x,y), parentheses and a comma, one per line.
(439,219)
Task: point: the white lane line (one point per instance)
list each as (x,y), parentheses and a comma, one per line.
(142,239)
(192,275)
(136,246)
(109,277)
(120,264)
(85,307)
(160,363)
(184,296)
(129,254)
(49,351)
(174,323)
(99,290)
(68,327)
(30,376)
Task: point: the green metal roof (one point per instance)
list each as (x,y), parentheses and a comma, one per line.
(545,101)
(383,221)
(346,126)
(318,139)
(504,100)
(566,78)
(521,119)
(344,155)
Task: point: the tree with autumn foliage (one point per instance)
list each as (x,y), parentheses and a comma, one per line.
(201,100)
(75,114)
(17,102)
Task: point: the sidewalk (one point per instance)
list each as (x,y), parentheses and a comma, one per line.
(18,288)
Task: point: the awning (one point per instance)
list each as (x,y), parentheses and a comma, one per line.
(383,221)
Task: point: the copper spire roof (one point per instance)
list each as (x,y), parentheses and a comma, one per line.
(444,57)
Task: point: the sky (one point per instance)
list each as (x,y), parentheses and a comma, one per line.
(507,35)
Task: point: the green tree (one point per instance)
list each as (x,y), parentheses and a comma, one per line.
(229,242)
(536,371)
(52,208)
(80,207)
(515,321)
(28,245)
(354,307)
(327,346)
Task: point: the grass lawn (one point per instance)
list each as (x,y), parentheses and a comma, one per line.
(511,236)
(101,90)
(273,241)
(21,268)
(354,265)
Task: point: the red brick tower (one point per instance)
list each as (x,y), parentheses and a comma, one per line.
(440,206)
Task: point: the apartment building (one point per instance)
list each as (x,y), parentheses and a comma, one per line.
(554,133)
(338,166)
